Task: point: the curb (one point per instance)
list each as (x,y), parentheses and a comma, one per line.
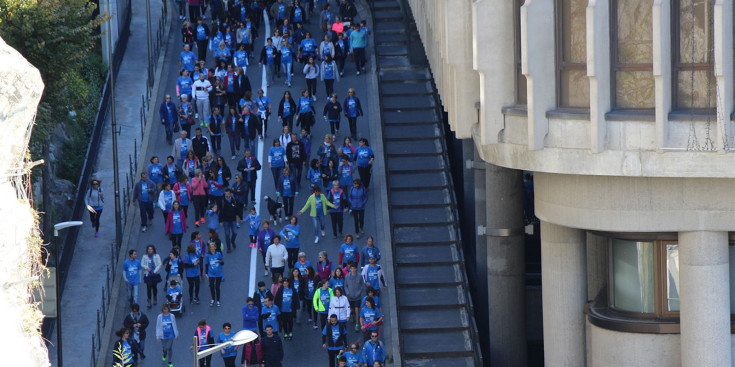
(383,235)
(104,356)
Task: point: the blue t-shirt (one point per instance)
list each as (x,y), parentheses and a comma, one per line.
(286,108)
(324,297)
(319,206)
(281,11)
(184,84)
(287,187)
(349,252)
(241,59)
(297,14)
(171,171)
(253,224)
(127,353)
(155,173)
(174,269)
(167,326)
(144,192)
(353,359)
(305,105)
(372,276)
(270,55)
(288,295)
(302,267)
(351,107)
(309,46)
(132,271)
(187,60)
(363,156)
(336,282)
(277,157)
(214,267)
(201,33)
(177,227)
(329,72)
(370,315)
(326,50)
(228,351)
(168,198)
(310,287)
(191,272)
(286,55)
(263,103)
(183,195)
(345,175)
(272,319)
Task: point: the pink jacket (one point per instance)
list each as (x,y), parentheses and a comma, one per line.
(170,221)
(200,186)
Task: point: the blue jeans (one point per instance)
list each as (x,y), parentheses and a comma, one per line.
(234,143)
(230,233)
(286,67)
(318,223)
(132,293)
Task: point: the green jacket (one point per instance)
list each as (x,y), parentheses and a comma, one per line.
(318,305)
(311,202)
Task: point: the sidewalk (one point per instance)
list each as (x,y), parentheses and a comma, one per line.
(82,295)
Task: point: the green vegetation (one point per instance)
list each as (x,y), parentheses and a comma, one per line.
(60,38)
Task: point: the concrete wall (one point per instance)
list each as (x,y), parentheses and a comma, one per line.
(607,348)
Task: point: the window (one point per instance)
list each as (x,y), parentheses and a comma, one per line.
(632,54)
(692,54)
(521,91)
(571,54)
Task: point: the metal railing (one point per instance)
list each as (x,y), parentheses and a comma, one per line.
(104,308)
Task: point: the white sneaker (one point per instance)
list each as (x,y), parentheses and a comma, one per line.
(233,158)
(266,273)
(143,229)
(218,304)
(211,303)
(316,239)
(358,72)
(323,233)
(314,98)
(336,132)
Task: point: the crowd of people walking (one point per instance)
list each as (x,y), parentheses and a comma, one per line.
(214,97)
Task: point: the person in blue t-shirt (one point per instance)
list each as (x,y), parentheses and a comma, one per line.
(213,270)
(192,261)
(287,53)
(352,109)
(155,171)
(365,158)
(370,318)
(306,110)
(229,353)
(187,59)
(268,58)
(348,251)
(353,357)
(131,274)
(166,332)
(270,313)
(329,73)
(253,220)
(290,234)
(334,339)
(276,160)
(287,301)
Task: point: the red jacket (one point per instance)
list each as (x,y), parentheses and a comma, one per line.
(324,272)
(170,221)
(248,353)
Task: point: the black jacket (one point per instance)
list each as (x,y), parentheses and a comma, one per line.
(254,126)
(242,168)
(142,319)
(333,110)
(294,300)
(242,85)
(229,211)
(272,351)
(134,350)
(329,341)
(347,11)
(201,146)
(294,111)
(256,297)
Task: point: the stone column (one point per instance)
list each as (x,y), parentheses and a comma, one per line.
(704,297)
(564,287)
(506,270)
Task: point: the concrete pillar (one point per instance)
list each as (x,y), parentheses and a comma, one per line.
(704,298)
(723,24)
(662,69)
(598,70)
(564,294)
(538,62)
(506,273)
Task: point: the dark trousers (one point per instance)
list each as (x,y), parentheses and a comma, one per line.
(165,217)
(186,127)
(200,206)
(359,53)
(359,216)
(151,290)
(194,14)
(229,361)
(214,287)
(234,140)
(94,217)
(201,50)
(287,322)
(311,86)
(193,287)
(176,240)
(146,212)
(206,361)
(216,141)
(329,86)
(298,169)
(293,254)
(287,121)
(334,126)
(365,175)
(275,271)
(337,222)
(276,171)
(288,207)
(322,320)
(306,120)
(353,127)
(250,186)
(332,357)
(340,64)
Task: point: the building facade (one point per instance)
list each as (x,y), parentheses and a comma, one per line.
(623,112)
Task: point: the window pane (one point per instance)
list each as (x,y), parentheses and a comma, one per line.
(521,97)
(705,94)
(672,277)
(574,32)
(635,32)
(633,276)
(634,89)
(695,27)
(731,248)
(575,88)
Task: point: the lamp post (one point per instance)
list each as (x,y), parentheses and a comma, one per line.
(57,228)
(241,337)
(116,174)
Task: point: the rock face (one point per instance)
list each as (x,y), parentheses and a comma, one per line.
(20,92)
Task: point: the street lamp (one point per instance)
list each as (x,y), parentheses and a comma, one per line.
(241,337)
(57,228)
